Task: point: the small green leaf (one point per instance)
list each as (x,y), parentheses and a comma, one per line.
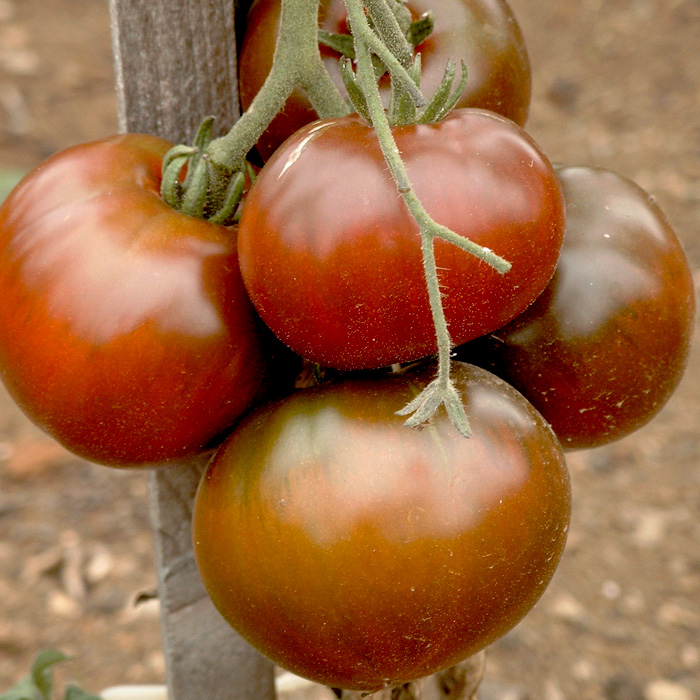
(225,214)
(38,685)
(341,43)
(202,137)
(355,94)
(22,690)
(421,29)
(42,671)
(75,693)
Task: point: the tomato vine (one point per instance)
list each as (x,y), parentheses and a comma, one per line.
(441,390)
(215,165)
(297,63)
(105,281)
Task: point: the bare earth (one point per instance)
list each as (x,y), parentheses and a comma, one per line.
(617,84)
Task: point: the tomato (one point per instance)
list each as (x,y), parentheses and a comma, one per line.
(125,329)
(362,554)
(602,350)
(331,256)
(483,33)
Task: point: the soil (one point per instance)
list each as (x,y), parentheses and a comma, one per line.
(616,84)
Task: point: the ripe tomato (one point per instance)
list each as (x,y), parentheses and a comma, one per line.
(602,350)
(331,255)
(483,33)
(362,554)
(125,329)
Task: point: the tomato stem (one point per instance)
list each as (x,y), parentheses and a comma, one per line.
(297,63)
(387,27)
(365,34)
(441,391)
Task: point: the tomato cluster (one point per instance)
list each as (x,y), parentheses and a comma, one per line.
(362,554)
(345,546)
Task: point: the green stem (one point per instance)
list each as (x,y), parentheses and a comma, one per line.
(441,390)
(389,31)
(297,63)
(365,35)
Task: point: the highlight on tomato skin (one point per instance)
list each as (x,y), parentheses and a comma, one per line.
(125,329)
(361,554)
(331,256)
(605,346)
(483,33)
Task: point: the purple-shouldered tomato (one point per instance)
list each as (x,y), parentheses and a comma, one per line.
(605,346)
(482,33)
(362,554)
(331,255)
(125,329)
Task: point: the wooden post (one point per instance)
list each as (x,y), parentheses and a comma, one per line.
(175,64)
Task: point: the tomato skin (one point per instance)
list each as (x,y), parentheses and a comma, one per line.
(331,256)
(484,33)
(605,346)
(125,330)
(363,554)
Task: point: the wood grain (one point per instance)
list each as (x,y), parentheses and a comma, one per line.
(175,62)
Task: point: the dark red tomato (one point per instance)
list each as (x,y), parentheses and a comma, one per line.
(125,329)
(483,33)
(602,350)
(362,554)
(331,255)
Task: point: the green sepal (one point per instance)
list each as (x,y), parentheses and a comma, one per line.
(24,689)
(444,98)
(42,670)
(439,392)
(195,197)
(420,29)
(177,152)
(202,137)
(200,143)
(355,94)
(457,93)
(226,214)
(402,109)
(340,43)
(171,184)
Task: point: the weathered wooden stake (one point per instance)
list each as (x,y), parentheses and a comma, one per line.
(175,64)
